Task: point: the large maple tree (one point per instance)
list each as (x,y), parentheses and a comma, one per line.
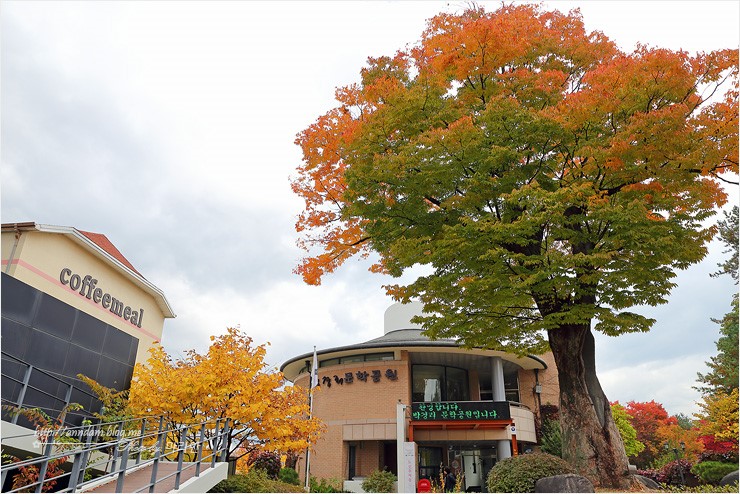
(547,180)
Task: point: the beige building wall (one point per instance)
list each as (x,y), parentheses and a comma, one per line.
(38,259)
(363,411)
(548,379)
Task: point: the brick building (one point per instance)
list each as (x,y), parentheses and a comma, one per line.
(464,408)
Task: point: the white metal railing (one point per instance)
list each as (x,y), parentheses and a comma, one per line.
(110,450)
(22,390)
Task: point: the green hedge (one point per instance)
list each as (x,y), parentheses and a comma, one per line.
(256,480)
(289,476)
(519,473)
(379,481)
(711,472)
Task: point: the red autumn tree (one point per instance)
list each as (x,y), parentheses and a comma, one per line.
(648,419)
(548,181)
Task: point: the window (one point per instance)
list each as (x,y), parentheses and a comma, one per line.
(511,385)
(427,382)
(370,357)
(367,357)
(457,384)
(432,383)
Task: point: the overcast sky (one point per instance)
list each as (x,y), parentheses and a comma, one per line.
(169,127)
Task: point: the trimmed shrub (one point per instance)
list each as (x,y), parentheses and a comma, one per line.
(255,480)
(379,481)
(520,473)
(289,476)
(711,472)
(324,485)
(267,461)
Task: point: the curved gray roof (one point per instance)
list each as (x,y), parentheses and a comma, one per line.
(403,339)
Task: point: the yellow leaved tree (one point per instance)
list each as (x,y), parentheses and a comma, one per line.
(719,416)
(231,381)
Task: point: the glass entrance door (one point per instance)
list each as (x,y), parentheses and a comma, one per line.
(476,465)
(430,461)
(472,470)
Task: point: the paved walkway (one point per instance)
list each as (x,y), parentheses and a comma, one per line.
(137,479)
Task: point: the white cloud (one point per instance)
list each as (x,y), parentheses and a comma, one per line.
(668,381)
(292,317)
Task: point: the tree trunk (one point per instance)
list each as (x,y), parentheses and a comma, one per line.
(591,440)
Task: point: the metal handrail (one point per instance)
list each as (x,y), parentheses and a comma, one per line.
(89,455)
(28,370)
(55,375)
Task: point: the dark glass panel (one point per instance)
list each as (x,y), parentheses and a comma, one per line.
(89,332)
(35,398)
(9,390)
(82,361)
(133,351)
(113,373)
(83,399)
(18,300)
(15,339)
(117,344)
(46,384)
(55,317)
(47,352)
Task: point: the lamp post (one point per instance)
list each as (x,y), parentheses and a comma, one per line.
(678,456)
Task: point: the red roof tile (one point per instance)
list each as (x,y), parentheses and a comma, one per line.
(102,241)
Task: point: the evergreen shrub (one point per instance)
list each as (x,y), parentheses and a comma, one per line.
(520,473)
(256,480)
(289,476)
(551,441)
(711,472)
(325,485)
(379,481)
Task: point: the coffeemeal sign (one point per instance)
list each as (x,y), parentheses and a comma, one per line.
(86,286)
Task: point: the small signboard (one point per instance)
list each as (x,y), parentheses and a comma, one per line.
(461,410)
(409,465)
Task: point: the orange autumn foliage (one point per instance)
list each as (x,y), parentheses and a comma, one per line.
(620,117)
(230,381)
